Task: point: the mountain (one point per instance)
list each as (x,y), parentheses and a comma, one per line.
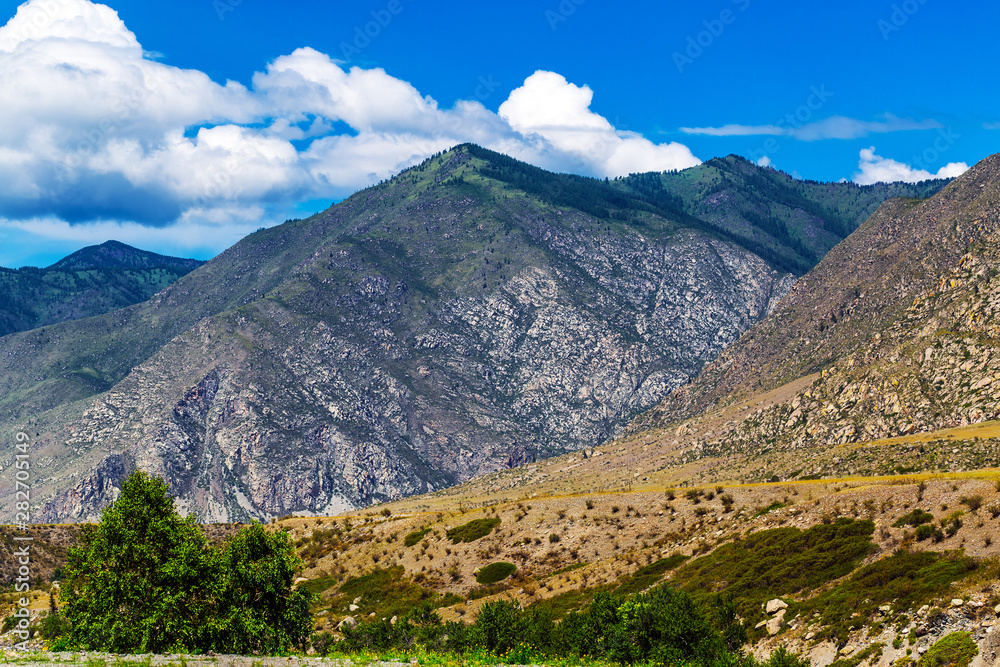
(114,254)
(789,222)
(880,361)
(471,314)
(91,281)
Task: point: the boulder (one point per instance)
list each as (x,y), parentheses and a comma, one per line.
(774,625)
(774,605)
(348,622)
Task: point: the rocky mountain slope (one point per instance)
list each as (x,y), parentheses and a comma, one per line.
(905,254)
(881,361)
(472,314)
(900,322)
(94,280)
(791,223)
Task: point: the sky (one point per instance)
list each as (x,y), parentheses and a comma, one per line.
(180,127)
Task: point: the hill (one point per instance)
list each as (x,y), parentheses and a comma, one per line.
(91,281)
(469,315)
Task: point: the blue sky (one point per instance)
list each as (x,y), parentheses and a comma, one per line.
(179,127)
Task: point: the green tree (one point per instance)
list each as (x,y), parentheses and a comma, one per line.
(141,579)
(260,611)
(145,580)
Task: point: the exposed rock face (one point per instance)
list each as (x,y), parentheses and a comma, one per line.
(436,327)
(914,350)
(330,414)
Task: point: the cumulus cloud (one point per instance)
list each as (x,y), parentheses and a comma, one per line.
(834,127)
(554,112)
(95,130)
(873,168)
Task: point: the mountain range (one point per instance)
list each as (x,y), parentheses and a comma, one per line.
(472,314)
(92,281)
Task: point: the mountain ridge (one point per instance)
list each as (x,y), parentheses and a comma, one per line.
(92,281)
(437,326)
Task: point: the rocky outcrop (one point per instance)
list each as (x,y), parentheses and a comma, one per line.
(914,353)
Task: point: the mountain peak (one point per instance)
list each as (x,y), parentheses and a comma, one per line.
(115,254)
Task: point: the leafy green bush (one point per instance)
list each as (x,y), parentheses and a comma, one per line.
(923,532)
(415,536)
(914,518)
(494,572)
(500,624)
(954,650)
(472,531)
(145,580)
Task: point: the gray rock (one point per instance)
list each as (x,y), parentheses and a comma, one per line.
(774,605)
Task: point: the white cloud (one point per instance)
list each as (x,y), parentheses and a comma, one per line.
(834,127)
(874,168)
(557,112)
(764,161)
(734,130)
(93,129)
(991,126)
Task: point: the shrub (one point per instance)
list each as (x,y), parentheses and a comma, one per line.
(924,532)
(414,537)
(904,580)
(554,537)
(472,531)
(915,517)
(779,561)
(494,572)
(972,502)
(144,580)
(954,650)
(499,625)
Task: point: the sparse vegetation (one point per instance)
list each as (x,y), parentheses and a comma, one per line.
(472,531)
(494,572)
(954,650)
(414,537)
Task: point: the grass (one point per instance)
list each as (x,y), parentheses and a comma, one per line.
(905,580)
(561,605)
(494,572)
(647,576)
(954,650)
(475,658)
(779,561)
(415,536)
(472,531)
(388,592)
